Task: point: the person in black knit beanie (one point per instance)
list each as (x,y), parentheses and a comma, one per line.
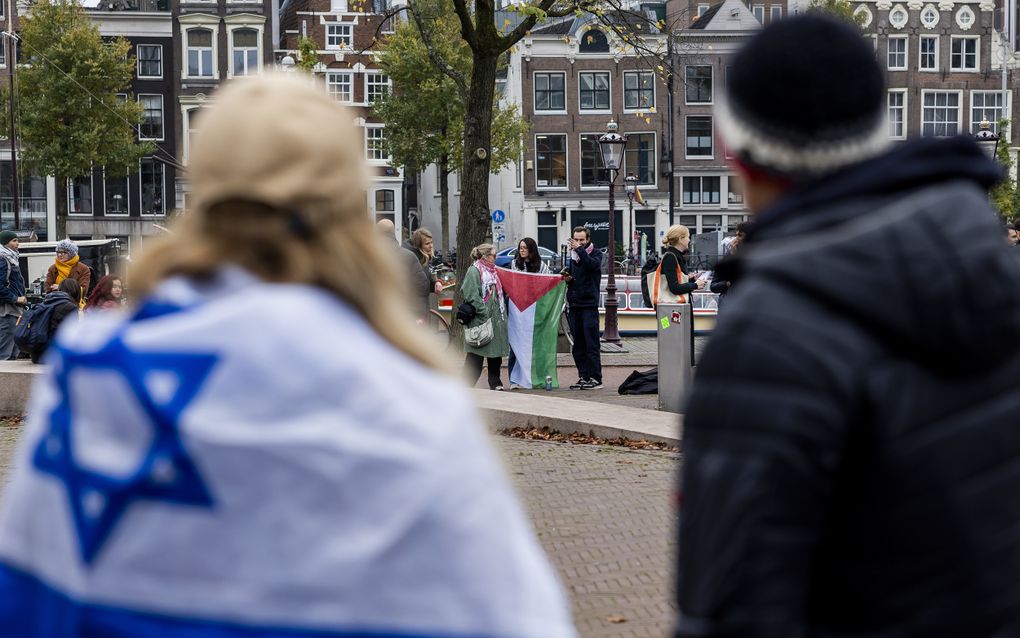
(851,448)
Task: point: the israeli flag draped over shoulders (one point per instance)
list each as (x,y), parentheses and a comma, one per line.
(243,459)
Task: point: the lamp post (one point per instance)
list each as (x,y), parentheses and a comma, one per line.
(630,183)
(611,144)
(986,139)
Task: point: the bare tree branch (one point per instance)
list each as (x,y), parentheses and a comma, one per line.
(467,27)
(434,55)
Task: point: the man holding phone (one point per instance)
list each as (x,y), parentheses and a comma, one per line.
(583,275)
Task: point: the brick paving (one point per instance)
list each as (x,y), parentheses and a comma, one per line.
(605,517)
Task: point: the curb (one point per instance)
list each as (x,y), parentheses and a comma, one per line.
(504,410)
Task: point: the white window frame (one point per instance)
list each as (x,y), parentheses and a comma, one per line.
(703,8)
(372,160)
(349,75)
(534,94)
(566,162)
(388,84)
(162,170)
(959,107)
(903,109)
(655,96)
(759,13)
(711,155)
(338,6)
(977,53)
(190,22)
(162,115)
(904,54)
(349,37)
(127,195)
(975,123)
(580,158)
(920,53)
(138,62)
(653,185)
(701,177)
(189,107)
(775,12)
(594,110)
(92,188)
(711,79)
(233,29)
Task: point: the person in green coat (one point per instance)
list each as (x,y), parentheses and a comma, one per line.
(481,288)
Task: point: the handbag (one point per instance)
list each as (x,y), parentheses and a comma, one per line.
(466,313)
(480,335)
(658,286)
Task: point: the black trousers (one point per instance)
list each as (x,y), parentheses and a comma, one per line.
(473,369)
(584,326)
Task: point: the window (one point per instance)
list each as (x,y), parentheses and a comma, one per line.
(700,190)
(703,9)
(929,47)
(384,201)
(340,85)
(734,193)
(699,136)
(115,195)
(593,172)
(547,230)
(759,13)
(638,90)
(593,41)
(151,127)
(897,53)
(965,54)
(897,102)
(375,144)
(699,84)
(200,53)
(3,52)
(338,37)
(549,92)
(775,12)
(150,60)
(985,105)
(594,91)
(940,114)
(551,161)
(639,157)
(152,184)
(377,85)
(246,52)
(930,16)
(191,119)
(79,195)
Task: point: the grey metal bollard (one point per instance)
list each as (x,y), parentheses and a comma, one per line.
(674,323)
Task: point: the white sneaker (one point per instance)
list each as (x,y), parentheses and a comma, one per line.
(514,386)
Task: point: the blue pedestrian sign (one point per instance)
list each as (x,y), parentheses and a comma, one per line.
(498,216)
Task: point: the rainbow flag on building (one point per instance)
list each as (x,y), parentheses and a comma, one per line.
(536,302)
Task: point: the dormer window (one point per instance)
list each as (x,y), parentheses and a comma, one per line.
(593,41)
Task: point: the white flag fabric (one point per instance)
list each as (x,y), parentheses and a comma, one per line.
(250,460)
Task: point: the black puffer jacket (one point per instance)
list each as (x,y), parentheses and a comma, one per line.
(852,440)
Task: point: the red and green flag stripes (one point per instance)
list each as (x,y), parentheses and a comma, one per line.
(536,302)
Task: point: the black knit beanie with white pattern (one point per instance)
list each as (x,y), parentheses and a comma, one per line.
(805,97)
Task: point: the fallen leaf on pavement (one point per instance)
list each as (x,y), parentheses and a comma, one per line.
(616,620)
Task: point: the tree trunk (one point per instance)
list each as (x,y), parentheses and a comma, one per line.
(444,204)
(473,220)
(62,206)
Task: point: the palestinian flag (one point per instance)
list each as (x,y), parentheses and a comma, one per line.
(536,302)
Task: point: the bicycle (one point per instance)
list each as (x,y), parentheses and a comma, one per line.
(437,325)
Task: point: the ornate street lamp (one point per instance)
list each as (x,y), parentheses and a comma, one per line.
(612,144)
(986,139)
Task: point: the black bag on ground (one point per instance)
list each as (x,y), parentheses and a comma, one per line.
(641,382)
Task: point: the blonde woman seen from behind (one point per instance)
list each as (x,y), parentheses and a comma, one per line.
(482,289)
(306,439)
(676,245)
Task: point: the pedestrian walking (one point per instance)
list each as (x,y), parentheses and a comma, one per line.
(67,265)
(482,289)
(851,452)
(12,293)
(584,279)
(262,447)
(108,294)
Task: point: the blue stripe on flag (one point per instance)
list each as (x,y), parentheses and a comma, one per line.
(32,609)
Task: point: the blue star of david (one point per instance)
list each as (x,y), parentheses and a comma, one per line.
(166,472)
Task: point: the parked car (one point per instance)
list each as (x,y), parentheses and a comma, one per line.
(505,256)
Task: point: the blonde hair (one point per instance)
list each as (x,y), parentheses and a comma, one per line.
(418,238)
(675,233)
(280,233)
(481,250)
